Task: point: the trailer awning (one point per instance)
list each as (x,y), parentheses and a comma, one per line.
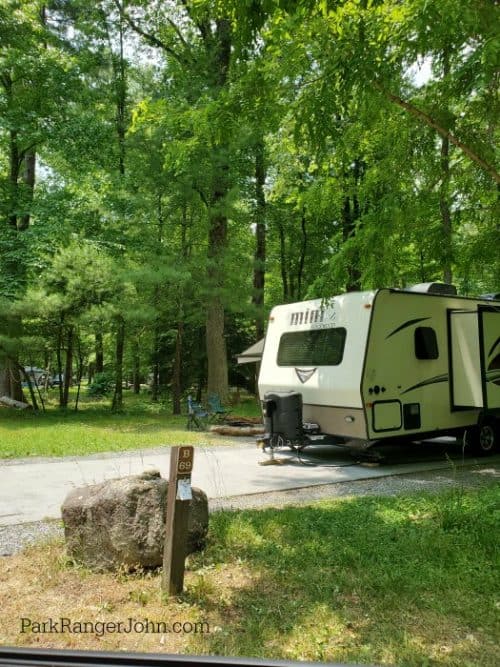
(252,354)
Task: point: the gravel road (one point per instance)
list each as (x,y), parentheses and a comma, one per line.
(14,538)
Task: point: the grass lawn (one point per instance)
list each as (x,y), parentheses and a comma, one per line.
(409,580)
(94,428)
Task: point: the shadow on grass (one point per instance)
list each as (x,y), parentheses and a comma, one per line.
(405,581)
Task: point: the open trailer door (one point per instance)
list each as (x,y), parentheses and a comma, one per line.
(489,344)
(466,386)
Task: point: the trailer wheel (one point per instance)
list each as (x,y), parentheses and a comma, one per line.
(483,439)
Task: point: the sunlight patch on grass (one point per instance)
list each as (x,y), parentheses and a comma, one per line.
(94,428)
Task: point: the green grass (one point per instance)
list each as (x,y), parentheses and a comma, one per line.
(94,428)
(411,580)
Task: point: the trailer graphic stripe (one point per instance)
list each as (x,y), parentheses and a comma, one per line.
(407,324)
(493,375)
(494,346)
(434,380)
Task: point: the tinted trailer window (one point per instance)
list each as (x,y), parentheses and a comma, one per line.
(320,347)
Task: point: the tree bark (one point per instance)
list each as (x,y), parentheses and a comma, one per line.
(29,187)
(177,372)
(302,257)
(284,274)
(99,352)
(216,342)
(117,404)
(259,272)
(68,370)
(444,193)
(10,380)
(136,375)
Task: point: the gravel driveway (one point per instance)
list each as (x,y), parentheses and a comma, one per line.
(14,538)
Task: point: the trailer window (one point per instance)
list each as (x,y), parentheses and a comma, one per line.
(426,346)
(320,347)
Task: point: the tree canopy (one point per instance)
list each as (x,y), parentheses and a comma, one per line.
(171,170)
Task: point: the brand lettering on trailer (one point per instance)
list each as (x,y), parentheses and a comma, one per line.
(318,319)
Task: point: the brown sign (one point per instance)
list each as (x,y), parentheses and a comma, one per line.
(185,460)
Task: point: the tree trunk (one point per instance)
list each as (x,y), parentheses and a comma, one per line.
(348,230)
(216,341)
(259,271)
(120,346)
(99,352)
(29,187)
(155,383)
(284,275)
(444,193)
(218,49)
(136,376)
(351,213)
(60,331)
(10,381)
(303,251)
(68,370)
(177,374)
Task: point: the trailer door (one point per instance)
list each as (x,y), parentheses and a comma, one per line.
(466,386)
(489,342)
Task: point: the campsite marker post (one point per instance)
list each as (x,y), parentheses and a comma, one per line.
(179,496)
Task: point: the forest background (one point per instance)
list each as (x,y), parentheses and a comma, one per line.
(170,170)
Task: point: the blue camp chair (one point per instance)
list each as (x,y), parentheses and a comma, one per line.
(197,416)
(216,411)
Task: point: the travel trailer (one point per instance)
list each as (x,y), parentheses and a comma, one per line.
(367,367)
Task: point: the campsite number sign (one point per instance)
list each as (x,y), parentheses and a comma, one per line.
(185,460)
(179,495)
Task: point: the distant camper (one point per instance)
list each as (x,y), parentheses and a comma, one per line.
(391,363)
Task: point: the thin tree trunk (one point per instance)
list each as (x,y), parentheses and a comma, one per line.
(155,385)
(259,271)
(284,277)
(136,379)
(29,187)
(30,386)
(79,372)
(303,251)
(444,192)
(177,373)
(117,404)
(59,361)
(99,352)
(68,371)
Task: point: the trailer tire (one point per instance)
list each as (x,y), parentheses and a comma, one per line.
(483,439)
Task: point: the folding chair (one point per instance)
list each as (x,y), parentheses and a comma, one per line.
(197,416)
(216,411)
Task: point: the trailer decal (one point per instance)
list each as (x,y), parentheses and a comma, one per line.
(304,375)
(497,342)
(434,380)
(407,324)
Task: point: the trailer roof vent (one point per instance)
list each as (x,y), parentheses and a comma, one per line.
(434,288)
(495,296)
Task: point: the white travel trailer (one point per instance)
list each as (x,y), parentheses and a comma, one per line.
(389,363)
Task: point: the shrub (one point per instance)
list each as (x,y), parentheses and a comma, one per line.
(102,384)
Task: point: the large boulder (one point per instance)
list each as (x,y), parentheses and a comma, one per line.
(121,522)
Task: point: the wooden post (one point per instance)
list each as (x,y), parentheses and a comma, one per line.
(178,505)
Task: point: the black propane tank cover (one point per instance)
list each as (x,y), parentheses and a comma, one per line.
(283,414)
